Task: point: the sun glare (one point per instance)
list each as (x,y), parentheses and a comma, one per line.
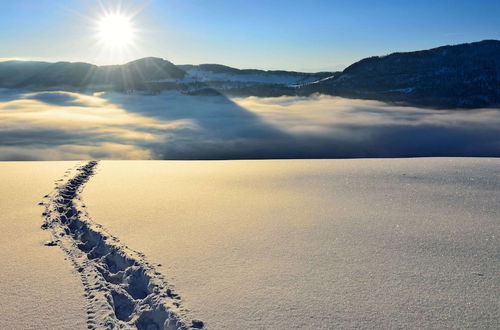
(115,31)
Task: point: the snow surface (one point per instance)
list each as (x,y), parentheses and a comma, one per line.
(280,244)
(39,289)
(274,244)
(122,288)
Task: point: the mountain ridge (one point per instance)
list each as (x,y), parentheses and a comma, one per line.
(457,76)
(464,75)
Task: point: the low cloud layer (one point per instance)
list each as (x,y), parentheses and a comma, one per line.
(338,127)
(63,125)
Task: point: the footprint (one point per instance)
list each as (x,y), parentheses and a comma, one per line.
(123,289)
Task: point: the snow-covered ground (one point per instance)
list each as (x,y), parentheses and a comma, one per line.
(39,289)
(393,243)
(197,75)
(265,244)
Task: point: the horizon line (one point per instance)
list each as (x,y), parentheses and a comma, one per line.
(333,68)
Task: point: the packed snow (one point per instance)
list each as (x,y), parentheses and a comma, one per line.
(123,290)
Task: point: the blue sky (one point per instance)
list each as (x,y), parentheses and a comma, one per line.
(293,35)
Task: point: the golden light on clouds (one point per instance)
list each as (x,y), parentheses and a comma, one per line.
(170,125)
(65,125)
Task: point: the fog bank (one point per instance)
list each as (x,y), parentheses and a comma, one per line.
(64,125)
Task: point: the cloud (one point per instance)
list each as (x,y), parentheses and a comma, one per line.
(63,125)
(65,99)
(74,151)
(5,59)
(325,126)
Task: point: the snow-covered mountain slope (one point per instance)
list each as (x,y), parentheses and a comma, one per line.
(221,73)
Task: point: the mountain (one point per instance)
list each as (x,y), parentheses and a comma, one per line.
(66,75)
(15,73)
(136,73)
(466,75)
(217,72)
(246,82)
(153,75)
(59,74)
(459,76)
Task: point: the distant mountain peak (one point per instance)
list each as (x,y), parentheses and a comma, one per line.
(149,60)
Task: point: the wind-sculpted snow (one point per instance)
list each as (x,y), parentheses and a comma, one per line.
(123,289)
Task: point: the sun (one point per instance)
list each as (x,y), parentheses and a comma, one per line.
(116,31)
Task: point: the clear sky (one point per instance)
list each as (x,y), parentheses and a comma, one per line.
(305,35)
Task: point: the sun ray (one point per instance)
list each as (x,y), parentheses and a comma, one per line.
(115,32)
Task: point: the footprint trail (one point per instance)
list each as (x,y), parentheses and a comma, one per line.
(123,289)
